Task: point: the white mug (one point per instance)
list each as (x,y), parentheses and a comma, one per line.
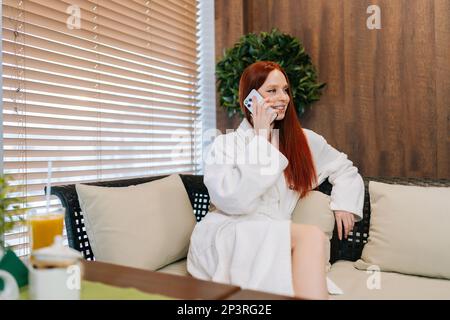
(55,283)
(10,287)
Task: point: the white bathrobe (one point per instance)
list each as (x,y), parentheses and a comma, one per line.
(245,240)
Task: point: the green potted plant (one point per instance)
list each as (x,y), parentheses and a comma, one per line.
(9,209)
(9,262)
(275,46)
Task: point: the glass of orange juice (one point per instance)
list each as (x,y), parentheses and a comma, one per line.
(43,227)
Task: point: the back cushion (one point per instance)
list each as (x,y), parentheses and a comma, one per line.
(409,230)
(145,226)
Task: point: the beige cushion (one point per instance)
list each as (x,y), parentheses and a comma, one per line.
(177,268)
(314,209)
(145,226)
(358,284)
(409,230)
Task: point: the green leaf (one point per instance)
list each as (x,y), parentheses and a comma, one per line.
(9,208)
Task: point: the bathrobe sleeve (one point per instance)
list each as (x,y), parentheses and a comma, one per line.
(237,175)
(348,187)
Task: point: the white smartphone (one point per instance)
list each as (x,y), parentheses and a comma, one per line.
(248,102)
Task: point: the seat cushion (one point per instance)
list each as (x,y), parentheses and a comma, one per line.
(144,226)
(385,285)
(178,268)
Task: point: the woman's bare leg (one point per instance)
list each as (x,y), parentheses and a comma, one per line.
(308,262)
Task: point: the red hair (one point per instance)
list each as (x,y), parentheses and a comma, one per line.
(300,173)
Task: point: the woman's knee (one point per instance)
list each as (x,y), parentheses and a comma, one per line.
(301,233)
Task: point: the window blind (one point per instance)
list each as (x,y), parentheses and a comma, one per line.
(105,89)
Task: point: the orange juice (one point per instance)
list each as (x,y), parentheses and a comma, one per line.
(44,228)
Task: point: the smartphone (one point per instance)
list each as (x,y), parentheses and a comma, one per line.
(248,102)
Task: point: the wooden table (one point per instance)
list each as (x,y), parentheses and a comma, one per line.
(245,294)
(175,286)
(156,282)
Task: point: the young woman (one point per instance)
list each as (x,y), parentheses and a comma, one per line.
(255,176)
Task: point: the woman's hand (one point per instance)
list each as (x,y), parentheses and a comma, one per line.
(263,117)
(344,220)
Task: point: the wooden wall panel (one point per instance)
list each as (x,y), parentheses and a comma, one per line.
(442,36)
(229,27)
(387,98)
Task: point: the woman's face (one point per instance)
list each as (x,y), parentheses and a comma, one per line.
(276,88)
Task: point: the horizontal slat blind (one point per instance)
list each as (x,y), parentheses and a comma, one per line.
(104,89)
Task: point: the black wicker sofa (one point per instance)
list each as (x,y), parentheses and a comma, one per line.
(349,249)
